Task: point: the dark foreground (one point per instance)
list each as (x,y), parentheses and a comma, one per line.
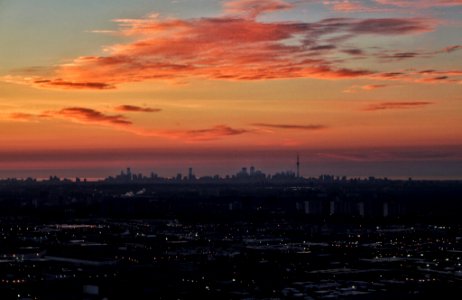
(308,241)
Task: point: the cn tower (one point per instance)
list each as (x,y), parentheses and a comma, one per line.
(298,166)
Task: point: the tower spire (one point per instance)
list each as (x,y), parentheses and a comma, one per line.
(298,166)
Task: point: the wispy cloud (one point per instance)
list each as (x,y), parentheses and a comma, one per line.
(396,105)
(368,87)
(254,8)
(421,3)
(291,126)
(390,55)
(371,87)
(72,84)
(422,153)
(25,117)
(452,48)
(402,55)
(213,132)
(350,6)
(88,115)
(429,76)
(133,108)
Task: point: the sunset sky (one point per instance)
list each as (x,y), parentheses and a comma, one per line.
(358,88)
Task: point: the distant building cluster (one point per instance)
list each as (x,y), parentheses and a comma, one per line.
(245,174)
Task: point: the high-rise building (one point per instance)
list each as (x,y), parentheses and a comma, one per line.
(129,174)
(252,170)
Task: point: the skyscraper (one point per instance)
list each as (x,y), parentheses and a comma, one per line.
(129,174)
(252,171)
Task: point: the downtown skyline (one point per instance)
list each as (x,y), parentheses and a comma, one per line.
(358,88)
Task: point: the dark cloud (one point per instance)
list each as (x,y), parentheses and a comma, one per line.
(133,108)
(392,26)
(401,55)
(213,133)
(323,47)
(291,126)
(421,3)
(88,115)
(353,51)
(396,105)
(73,85)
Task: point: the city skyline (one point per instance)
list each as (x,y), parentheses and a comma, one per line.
(142,173)
(357,88)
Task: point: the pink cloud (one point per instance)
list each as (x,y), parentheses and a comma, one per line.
(452,48)
(348,6)
(352,6)
(368,87)
(224,48)
(254,8)
(229,47)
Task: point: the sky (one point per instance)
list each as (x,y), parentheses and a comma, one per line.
(356,87)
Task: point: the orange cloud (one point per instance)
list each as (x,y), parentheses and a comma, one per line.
(369,87)
(229,47)
(90,116)
(396,105)
(18,116)
(225,48)
(133,108)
